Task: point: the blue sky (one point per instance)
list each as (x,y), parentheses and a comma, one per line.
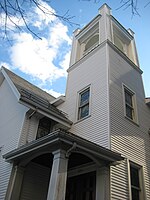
(44,62)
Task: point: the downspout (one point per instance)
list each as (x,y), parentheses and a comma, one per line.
(71,149)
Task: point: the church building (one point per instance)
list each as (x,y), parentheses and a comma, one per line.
(91,144)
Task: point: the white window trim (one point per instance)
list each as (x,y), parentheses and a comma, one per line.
(141,180)
(135,120)
(78,103)
(1,157)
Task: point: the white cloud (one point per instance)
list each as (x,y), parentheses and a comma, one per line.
(44,14)
(11,22)
(53,93)
(4,64)
(58,34)
(65,62)
(37,57)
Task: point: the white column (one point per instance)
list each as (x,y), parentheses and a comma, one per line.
(102,184)
(16,183)
(57,185)
(74,51)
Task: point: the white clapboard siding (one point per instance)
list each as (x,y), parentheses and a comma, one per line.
(11,120)
(89,71)
(119,180)
(127,138)
(35,182)
(29,130)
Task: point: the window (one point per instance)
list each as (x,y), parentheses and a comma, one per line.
(92,42)
(121,39)
(136,182)
(119,44)
(130,104)
(84,103)
(44,127)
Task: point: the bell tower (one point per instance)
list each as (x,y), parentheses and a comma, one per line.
(102,28)
(101,50)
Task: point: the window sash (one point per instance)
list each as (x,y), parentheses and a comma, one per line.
(135,182)
(83,108)
(129,104)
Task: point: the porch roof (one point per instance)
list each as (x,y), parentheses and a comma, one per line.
(64,140)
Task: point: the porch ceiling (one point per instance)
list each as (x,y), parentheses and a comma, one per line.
(67,141)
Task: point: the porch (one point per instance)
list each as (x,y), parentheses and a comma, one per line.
(60,166)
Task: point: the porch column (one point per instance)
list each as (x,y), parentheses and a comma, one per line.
(57,185)
(103,183)
(16,183)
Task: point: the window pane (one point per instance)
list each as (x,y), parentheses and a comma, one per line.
(84,97)
(135,185)
(92,42)
(129,112)
(84,111)
(128,98)
(134,176)
(135,194)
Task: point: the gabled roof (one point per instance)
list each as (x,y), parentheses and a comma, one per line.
(34,97)
(21,83)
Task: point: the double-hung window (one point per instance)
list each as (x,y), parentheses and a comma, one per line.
(130,104)
(137,192)
(84,98)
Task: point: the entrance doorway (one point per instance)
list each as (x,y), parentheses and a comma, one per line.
(81,187)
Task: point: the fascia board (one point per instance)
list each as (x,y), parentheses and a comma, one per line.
(58,101)
(56,117)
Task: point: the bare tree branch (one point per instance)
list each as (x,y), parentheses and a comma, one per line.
(16,9)
(132,4)
(148,3)
(10,10)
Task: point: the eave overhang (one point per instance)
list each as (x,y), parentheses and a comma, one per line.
(44,107)
(65,140)
(126,58)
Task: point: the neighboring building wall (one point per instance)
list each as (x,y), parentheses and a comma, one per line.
(11,120)
(130,139)
(90,71)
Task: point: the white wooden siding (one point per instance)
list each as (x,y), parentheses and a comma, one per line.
(127,138)
(11,120)
(35,182)
(29,129)
(92,71)
(119,180)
